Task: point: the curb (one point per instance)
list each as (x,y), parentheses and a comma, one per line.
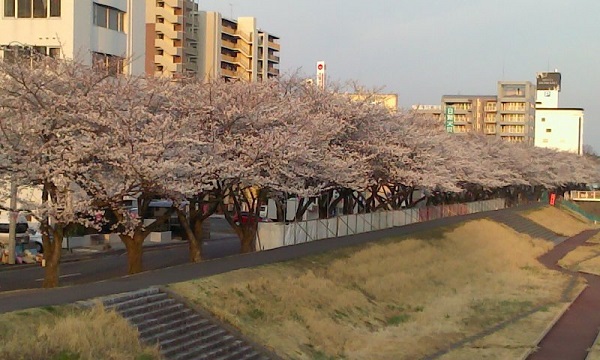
(551,324)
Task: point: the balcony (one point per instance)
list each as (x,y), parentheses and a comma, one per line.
(229,73)
(274,45)
(228,30)
(229,59)
(169,15)
(273,71)
(169,31)
(168,47)
(228,44)
(273,58)
(174,3)
(247,37)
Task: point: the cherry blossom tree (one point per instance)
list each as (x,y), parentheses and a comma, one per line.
(40,104)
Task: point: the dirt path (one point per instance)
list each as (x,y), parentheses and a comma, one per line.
(575,332)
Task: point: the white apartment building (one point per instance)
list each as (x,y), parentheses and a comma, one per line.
(109,33)
(555,127)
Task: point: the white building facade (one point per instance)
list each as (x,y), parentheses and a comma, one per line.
(107,32)
(560,129)
(555,127)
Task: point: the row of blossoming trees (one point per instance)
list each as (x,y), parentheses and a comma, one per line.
(88,141)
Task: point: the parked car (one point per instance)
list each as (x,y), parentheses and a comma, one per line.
(21,236)
(244,217)
(35,237)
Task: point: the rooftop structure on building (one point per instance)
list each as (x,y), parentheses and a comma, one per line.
(104,33)
(556,127)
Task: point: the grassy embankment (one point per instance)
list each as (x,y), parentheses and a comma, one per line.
(559,221)
(68,333)
(401,298)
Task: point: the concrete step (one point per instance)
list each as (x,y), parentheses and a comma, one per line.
(526,226)
(144,308)
(169,336)
(128,304)
(112,300)
(180,332)
(173,323)
(152,316)
(202,344)
(228,352)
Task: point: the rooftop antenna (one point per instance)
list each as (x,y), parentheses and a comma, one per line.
(231,10)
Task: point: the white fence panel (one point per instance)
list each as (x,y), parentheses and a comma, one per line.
(375,219)
(389,219)
(411,216)
(342,225)
(270,235)
(351,225)
(399,218)
(326,228)
(360,223)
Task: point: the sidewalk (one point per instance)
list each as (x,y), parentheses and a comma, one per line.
(575,332)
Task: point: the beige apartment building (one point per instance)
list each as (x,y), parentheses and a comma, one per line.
(516,111)
(509,115)
(471,113)
(236,49)
(171,37)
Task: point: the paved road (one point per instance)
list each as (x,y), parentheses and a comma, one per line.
(114,266)
(24,299)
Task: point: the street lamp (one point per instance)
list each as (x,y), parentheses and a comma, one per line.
(14,214)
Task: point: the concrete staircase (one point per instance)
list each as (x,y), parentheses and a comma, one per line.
(525,226)
(180,332)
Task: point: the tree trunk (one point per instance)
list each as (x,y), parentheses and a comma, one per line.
(194,238)
(247,235)
(135,249)
(52,255)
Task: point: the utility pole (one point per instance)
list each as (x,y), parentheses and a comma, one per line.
(12,225)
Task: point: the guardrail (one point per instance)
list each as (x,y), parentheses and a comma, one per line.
(584,195)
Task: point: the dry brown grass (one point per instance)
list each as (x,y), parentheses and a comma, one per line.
(559,221)
(399,299)
(594,353)
(585,258)
(69,333)
(595,239)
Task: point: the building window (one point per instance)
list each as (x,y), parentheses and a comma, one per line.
(55,8)
(548,130)
(24,8)
(9,8)
(543,119)
(109,18)
(54,53)
(32,8)
(112,64)
(40,8)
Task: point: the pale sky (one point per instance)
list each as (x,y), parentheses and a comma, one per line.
(423,49)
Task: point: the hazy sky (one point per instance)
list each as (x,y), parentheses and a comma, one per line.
(423,49)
